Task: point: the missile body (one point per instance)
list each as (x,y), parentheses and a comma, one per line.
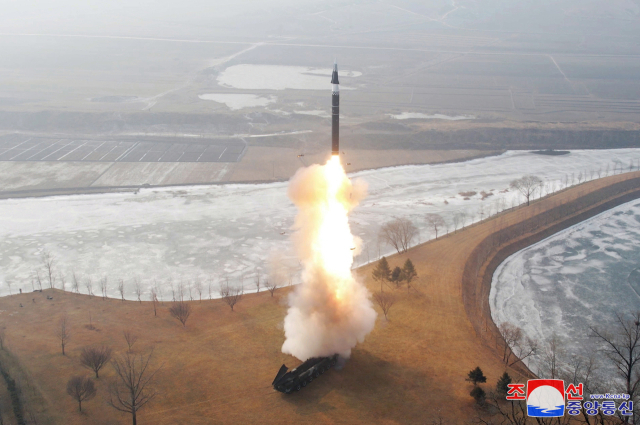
(335,111)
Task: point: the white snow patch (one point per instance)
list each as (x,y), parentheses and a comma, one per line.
(317,112)
(239,101)
(418,115)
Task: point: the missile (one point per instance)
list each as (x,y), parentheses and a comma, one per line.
(335,111)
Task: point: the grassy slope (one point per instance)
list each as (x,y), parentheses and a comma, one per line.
(218,369)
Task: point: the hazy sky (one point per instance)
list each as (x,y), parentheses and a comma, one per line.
(198,17)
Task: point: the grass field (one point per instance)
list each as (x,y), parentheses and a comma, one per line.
(410,369)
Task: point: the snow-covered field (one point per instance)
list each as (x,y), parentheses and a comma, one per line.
(238,101)
(278,77)
(577,278)
(230,231)
(418,115)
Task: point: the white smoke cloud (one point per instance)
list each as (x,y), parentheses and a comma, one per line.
(330,311)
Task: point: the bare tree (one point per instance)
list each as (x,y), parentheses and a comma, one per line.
(130,338)
(399,233)
(9,283)
(526,185)
(81,388)
(551,358)
(63,332)
(198,285)
(511,334)
(231,295)
(94,358)
(385,301)
(121,289)
(515,343)
(103,287)
(63,281)
(157,290)
(189,287)
(49,262)
(154,300)
(209,282)
(456,221)
(434,221)
(89,285)
(181,291)
(271,285)
(138,286)
(181,311)
(90,326)
(173,290)
(256,281)
(463,218)
(75,285)
(131,391)
(622,348)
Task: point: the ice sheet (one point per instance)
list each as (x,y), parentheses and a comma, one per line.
(578,278)
(232,230)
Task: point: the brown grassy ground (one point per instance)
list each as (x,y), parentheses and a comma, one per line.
(410,369)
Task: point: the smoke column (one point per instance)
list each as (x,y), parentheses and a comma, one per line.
(330,311)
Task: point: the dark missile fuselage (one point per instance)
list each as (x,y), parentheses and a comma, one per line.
(335,112)
(294,380)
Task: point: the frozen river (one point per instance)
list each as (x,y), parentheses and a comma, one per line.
(578,278)
(230,231)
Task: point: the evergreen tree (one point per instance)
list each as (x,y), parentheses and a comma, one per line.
(503,384)
(476,376)
(382,272)
(396,276)
(478,394)
(409,272)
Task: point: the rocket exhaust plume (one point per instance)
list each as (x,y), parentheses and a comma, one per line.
(330,311)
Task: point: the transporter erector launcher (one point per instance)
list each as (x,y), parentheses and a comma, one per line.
(335,111)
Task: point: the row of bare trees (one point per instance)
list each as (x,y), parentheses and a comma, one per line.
(180,291)
(401,233)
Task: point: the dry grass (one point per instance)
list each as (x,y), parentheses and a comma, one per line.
(219,368)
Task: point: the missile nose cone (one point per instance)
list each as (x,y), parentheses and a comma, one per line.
(334,75)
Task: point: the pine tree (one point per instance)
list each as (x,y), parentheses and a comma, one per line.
(503,384)
(476,376)
(409,272)
(478,394)
(396,276)
(382,272)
